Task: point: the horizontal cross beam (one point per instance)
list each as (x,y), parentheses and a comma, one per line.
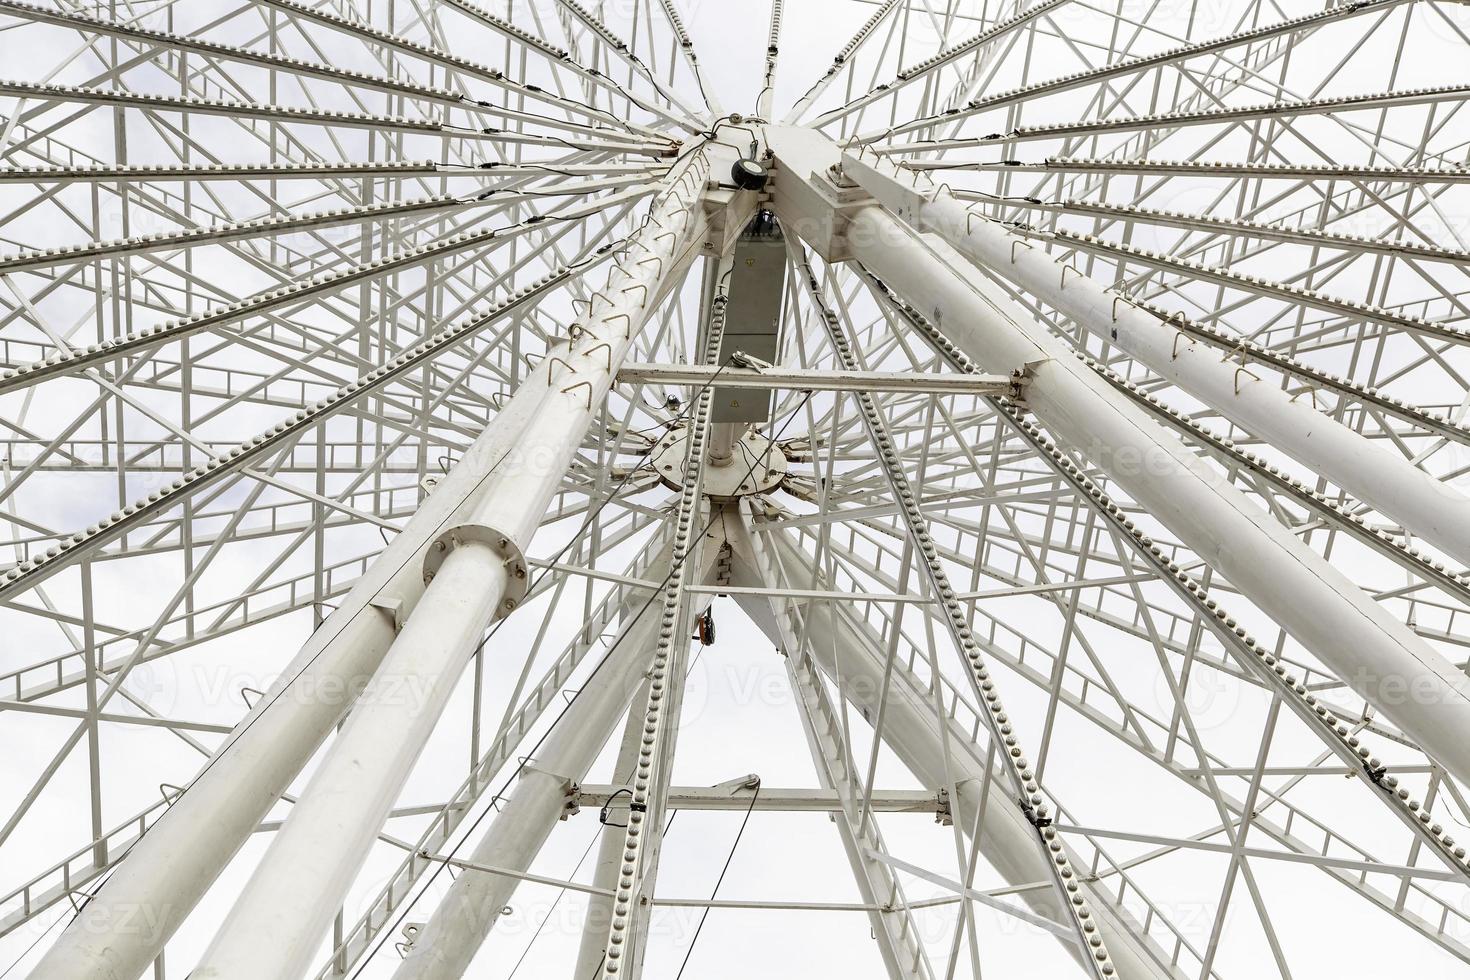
(906,382)
(725,797)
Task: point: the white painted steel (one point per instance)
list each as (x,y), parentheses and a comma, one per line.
(170,868)
(1378,476)
(1293,584)
(239,269)
(351,792)
(854,659)
(543,793)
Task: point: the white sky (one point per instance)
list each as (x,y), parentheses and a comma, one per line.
(739,717)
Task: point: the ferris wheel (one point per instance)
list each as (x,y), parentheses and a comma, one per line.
(995,472)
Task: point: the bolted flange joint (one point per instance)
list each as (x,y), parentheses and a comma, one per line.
(517,580)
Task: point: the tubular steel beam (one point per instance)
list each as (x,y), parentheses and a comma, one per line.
(545,793)
(1377,476)
(1288,581)
(852,656)
(306,872)
(175,861)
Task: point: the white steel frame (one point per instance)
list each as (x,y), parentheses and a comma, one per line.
(1123,358)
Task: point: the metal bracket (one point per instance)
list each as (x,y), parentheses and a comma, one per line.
(603,344)
(392,605)
(1174,349)
(556,358)
(584,384)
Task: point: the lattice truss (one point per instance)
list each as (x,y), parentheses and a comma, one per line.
(1095,586)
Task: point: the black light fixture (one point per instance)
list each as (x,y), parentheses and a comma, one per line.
(749,175)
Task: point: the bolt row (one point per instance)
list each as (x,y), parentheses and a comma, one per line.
(1418,562)
(1230,169)
(22,576)
(1335,732)
(41,258)
(1013,757)
(135,341)
(86,23)
(1258,284)
(1440,93)
(1233,342)
(1063,82)
(144,100)
(644,812)
(928,64)
(438,55)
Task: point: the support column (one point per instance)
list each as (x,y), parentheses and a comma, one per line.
(853,656)
(892,924)
(609,853)
(285,908)
(1285,579)
(1379,477)
(463,919)
(164,874)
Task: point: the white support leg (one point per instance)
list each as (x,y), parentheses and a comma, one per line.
(1286,580)
(911,730)
(893,926)
(308,868)
(169,868)
(464,918)
(1377,476)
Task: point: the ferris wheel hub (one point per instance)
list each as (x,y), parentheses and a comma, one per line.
(758,465)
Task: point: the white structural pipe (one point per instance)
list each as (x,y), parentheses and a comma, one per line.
(1366,647)
(1361,642)
(448,943)
(1379,477)
(283,911)
(853,658)
(161,878)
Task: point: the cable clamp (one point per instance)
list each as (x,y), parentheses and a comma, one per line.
(1032,817)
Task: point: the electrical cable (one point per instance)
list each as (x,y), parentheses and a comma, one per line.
(720,880)
(406,906)
(708,524)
